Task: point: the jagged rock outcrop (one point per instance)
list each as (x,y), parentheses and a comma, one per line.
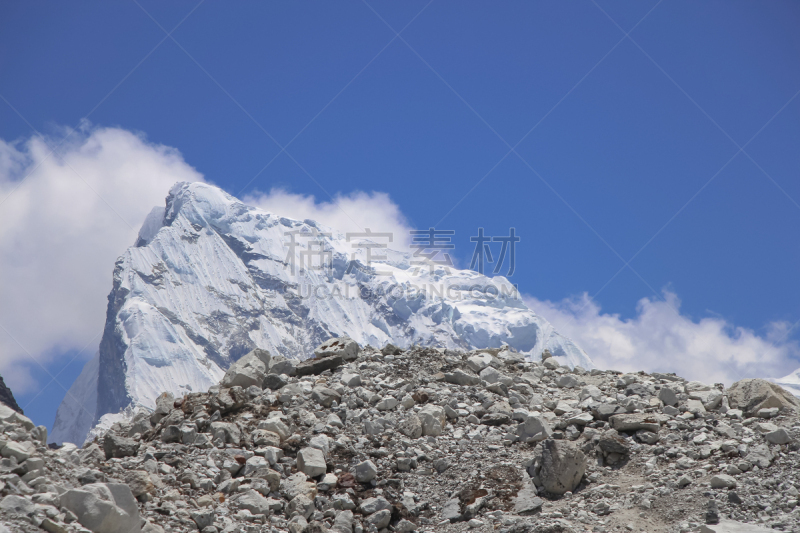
(7,397)
(211,278)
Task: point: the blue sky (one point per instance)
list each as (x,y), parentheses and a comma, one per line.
(676,145)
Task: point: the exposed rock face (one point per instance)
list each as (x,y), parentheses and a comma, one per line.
(210,279)
(391,443)
(752,395)
(104,508)
(7,398)
(563,466)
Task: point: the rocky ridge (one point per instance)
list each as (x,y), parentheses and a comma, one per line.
(7,397)
(423,439)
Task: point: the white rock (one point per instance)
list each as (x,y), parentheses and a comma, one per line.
(351,380)
(19,450)
(247,371)
(479,361)
(253,502)
(534,428)
(387,404)
(723,481)
(365,471)
(104,507)
(432,418)
(311,462)
(373,505)
(275,425)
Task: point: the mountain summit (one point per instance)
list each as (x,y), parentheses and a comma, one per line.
(210,278)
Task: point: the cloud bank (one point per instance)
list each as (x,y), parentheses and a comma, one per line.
(65,218)
(659,339)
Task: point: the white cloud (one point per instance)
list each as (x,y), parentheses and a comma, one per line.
(61,231)
(660,339)
(354,212)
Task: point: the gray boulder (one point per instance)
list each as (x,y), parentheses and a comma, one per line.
(343,347)
(325,396)
(533,429)
(253,502)
(604,411)
(228,431)
(164,404)
(116,446)
(760,455)
(779,436)
(365,471)
(281,365)
(567,381)
(563,466)
(203,518)
(20,451)
(343,522)
(10,416)
(248,371)
(391,349)
(635,422)
(311,462)
(723,481)
(17,505)
(380,519)
(104,508)
(479,361)
(411,427)
(432,418)
(611,442)
(459,377)
(373,505)
(669,394)
(311,367)
(750,395)
(274,381)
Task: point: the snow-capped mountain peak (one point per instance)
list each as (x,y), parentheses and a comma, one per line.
(210,278)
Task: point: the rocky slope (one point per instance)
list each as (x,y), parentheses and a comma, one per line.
(7,397)
(211,278)
(420,439)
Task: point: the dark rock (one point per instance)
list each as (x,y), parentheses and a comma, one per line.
(605,410)
(612,442)
(637,388)
(118,447)
(318,366)
(391,349)
(274,381)
(228,400)
(712,512)
(7,398)
(495,419)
